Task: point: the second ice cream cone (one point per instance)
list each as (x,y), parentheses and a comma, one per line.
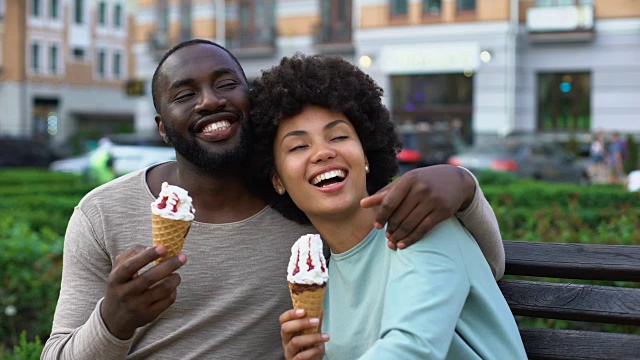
(310,298)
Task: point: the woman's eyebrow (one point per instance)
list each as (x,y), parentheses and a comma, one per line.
(335,123)
(293,133)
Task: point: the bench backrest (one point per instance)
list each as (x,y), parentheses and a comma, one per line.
(588,303)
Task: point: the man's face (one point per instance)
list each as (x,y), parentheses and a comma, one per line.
(204,104)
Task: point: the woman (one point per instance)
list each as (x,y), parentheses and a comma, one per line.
(331,143)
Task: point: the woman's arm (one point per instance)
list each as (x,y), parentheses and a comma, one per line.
(426,291)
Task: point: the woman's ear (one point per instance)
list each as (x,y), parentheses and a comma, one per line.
(277,184)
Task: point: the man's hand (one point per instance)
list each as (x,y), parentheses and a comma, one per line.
(420,199)
(133,300)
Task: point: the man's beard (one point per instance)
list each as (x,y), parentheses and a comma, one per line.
(219,164)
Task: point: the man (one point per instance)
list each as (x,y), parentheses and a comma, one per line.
(113,304)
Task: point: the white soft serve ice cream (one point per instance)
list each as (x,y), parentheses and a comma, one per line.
(173,203)
(307,264)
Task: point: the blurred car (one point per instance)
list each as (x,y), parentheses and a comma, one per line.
(542,161)
(425,148)
(25,152)
(126,159)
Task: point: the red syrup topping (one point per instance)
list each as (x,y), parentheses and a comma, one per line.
(176,198)
(309,261)
(163,203)
(297,269)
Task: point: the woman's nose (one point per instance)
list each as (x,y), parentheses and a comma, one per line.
(323,152)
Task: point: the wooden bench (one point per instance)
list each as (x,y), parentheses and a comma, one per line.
(586,303)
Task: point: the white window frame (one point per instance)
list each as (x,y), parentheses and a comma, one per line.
(123,63)
(105,74)
(85,13)
(122,16)
(106,14)
(60,71)
(33,71)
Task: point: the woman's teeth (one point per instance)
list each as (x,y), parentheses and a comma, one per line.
(328,175)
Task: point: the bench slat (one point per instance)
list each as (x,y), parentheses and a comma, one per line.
(573,261)
(606,304)
(554,344)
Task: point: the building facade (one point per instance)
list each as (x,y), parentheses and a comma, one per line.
(480,66)
(64,66)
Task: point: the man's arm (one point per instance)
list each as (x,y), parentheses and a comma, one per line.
(481,222)
(420,199)
(78,330)
(88,327)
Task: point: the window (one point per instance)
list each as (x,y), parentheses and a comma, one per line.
(163,16)
(564,101)
(335,23)
(399,7)
(116,65)
(1,9)
(431,7)
(117,16)
(35,8)
(102,13)
(53,59)
(78,54)
(35,57)
(465,5)
(257,19)
(185,20)
(545,3)
(78,15)
(54,9)
(101,63)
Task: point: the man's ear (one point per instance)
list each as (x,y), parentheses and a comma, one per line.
(161,130)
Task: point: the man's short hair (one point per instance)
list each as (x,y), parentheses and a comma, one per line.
(156,74)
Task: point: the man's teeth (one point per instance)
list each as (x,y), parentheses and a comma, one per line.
(328,175)
(220,125)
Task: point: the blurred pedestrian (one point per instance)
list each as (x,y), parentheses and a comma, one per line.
(616,149)
(598,169)
(101,163)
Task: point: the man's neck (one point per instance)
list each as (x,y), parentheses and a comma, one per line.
(217,200)
(342,233)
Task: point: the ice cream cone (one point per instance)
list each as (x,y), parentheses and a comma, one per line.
(170,233)
(310,298)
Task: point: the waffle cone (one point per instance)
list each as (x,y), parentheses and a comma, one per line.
(310,298)
(170,233)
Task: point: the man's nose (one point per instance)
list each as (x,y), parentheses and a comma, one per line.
(210,101)
(324,152)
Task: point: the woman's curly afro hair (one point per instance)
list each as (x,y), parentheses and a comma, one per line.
(332,83)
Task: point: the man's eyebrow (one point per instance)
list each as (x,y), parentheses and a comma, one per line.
(180,83)
(214,74)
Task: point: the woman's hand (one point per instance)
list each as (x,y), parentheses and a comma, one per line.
(301,347)
(420,199)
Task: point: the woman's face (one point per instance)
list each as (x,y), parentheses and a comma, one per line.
(320,162)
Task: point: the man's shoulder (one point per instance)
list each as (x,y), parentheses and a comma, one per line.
(124,188)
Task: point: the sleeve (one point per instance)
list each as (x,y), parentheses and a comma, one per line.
(426,291)
(481,222)
(78,330)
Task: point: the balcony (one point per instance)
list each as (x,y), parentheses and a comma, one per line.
(252,42)
(334,38)
(561,23)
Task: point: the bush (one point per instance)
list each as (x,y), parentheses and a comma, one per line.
(25,350)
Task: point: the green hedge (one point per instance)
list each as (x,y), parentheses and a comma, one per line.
(36,206)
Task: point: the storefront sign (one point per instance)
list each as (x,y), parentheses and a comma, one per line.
(560,18)
(430,58)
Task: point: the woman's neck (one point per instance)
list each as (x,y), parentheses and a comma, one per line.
(344,232)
